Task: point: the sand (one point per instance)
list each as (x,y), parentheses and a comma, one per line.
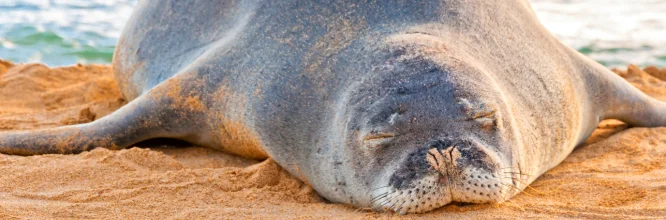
(619,173)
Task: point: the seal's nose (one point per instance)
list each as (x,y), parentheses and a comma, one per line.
(437,154)
(460,153)
(472,172)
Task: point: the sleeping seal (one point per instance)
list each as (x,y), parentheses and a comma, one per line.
(394,105)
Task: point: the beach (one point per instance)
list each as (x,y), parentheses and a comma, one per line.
(618,173)
(54,71)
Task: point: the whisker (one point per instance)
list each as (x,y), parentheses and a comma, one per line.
(532,188)
(522,174)
(509,190)
(520,191)
(512,187)
(400,206)
(380,187)
(514,179)
(394,201)
(379,197)
(386,201)
(526,185)
(383,201)
(362,209)
(382,207)
(391,206)
(514,205)
(509,178)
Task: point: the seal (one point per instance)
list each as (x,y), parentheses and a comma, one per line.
(393,105)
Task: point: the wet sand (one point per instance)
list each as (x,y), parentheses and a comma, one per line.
(619,173)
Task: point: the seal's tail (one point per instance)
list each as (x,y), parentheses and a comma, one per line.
(157,113)
(621,100)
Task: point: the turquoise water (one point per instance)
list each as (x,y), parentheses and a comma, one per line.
(64,32)
(61,32)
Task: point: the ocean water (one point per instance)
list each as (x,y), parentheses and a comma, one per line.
(61,32)
(65,32)
(612,32)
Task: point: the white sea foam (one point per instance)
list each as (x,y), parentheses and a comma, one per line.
(104,17)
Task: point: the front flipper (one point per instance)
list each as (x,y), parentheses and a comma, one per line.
(166,111)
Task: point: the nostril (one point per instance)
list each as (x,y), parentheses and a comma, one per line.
(435,159)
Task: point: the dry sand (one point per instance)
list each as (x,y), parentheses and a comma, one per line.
(620,173)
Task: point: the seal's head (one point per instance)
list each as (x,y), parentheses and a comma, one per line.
(424,130)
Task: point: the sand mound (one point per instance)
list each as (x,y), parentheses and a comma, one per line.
(619,173)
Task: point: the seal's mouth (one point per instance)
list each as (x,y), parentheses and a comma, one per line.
(424,195)
(416,186)
(441,173)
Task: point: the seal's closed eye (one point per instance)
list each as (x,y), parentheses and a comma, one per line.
(378,135)
(375,139)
